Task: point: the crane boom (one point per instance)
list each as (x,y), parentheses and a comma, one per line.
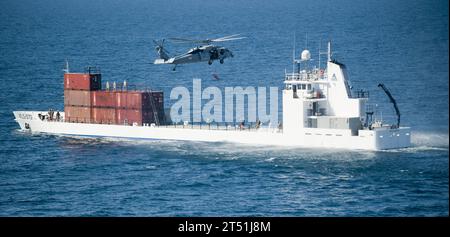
(391,98)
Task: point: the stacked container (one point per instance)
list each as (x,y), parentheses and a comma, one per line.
(84,101)
(103,107)
(78,88)
(139,107)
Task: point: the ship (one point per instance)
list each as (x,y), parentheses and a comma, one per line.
(319,110)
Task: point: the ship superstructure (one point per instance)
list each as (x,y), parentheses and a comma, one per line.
(318,104)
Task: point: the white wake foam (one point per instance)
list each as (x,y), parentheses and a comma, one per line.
(429,139)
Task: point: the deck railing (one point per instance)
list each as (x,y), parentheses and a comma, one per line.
(306,76)
(360,94)
(250,127)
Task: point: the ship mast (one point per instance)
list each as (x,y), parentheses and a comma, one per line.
(320,52)
(293,56)
(320,42)
(329,51)
(66,68)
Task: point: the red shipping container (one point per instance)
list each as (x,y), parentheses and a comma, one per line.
(77,98)
(77,114)
(134,116)
(104,99)
(103,115)
(129,116)
(134,100)
(82,81)
(121,99)
(139,100)
(121,116)
(129,99)
(142,116)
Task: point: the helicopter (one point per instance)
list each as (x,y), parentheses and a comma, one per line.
(205,52)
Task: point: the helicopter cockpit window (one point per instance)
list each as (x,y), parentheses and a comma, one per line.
(195,50)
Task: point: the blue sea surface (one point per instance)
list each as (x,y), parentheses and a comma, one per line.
(403,44)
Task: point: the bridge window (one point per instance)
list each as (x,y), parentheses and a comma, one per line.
(309,86)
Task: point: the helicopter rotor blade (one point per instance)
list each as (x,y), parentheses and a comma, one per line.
(227,39)
(229,36)
(207,41)
(181,40)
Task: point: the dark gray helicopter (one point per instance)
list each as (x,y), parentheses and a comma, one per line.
(206,52)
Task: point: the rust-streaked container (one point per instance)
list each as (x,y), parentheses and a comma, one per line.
(134,116)
(103,99)
(121,116)
(103,115)
(82,81)
(77,98)
(121,99)
(130,99)
(134,100)
(130,116)
(138,99)
(77,114)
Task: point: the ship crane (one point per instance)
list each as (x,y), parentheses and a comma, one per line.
(391,98)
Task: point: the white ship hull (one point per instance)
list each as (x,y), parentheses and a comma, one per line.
(378,139)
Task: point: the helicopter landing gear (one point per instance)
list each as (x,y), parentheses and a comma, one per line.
(210,62)
(221,61)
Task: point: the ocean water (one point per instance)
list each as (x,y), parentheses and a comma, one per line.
(403,44)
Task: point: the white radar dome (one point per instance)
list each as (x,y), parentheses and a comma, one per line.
(306,55)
